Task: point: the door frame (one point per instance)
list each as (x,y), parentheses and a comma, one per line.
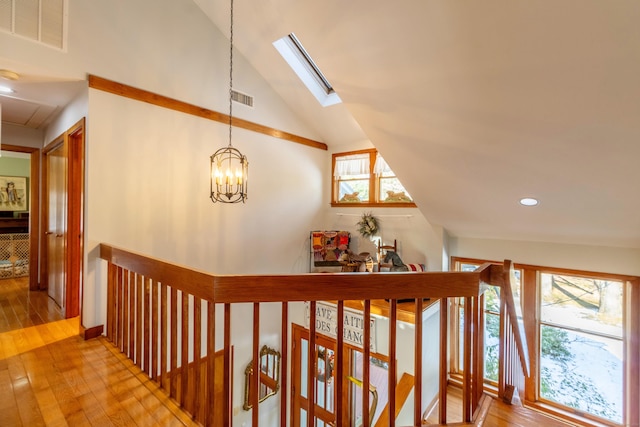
(74,141)
(34,211)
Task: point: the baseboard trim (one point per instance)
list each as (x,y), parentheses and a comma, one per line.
(90,333)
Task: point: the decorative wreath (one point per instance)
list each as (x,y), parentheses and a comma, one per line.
(368,225)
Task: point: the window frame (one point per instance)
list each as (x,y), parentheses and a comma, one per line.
(374,184)
(530,303)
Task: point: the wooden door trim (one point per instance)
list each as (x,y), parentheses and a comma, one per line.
(34,211)
(73,140)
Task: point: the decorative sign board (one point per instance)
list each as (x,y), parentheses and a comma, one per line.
(326,324)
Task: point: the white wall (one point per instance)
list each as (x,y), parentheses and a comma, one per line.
(580,257)
(21,136)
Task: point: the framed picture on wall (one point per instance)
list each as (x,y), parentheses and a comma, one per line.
(13,193)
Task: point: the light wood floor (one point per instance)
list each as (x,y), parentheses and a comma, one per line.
(499,414)
(49,376)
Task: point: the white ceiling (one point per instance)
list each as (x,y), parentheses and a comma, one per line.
(476,104)
(37,99)
(473,104)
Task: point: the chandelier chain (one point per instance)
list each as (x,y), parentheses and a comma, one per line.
(231,74)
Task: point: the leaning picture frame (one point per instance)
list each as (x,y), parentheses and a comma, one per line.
(13,193)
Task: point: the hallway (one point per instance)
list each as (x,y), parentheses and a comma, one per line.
(49,376)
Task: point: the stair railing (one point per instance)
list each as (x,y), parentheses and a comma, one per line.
(164,318)
(514,357)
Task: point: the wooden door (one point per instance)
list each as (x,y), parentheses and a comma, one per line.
(56,222)
(63,207)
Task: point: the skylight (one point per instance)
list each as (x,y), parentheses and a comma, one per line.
(301,63)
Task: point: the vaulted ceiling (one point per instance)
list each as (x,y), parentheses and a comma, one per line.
(475,104)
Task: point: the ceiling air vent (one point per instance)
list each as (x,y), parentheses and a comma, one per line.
(242,98)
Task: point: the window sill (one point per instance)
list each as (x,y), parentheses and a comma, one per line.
(373,205)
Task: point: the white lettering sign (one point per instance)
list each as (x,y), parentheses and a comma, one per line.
(353,332)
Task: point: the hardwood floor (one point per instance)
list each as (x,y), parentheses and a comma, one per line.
(49,376)
(498,414)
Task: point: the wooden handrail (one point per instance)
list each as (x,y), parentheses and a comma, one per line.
(159,313)
(520,339)
(514,356)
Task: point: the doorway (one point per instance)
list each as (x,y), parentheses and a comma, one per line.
(62,247)
(33,224)
(324,383)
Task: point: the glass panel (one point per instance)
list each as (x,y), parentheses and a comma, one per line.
(582,371)
(581,344)
(582,303)
(304,351)
(353,190)
(303,417)
(492,299)
(392,191)
(468,267)
(491,346)
(324,385)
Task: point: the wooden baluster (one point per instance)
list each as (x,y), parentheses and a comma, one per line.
(227,366)
(131,308)
(312,369)
(338,363)
(211,364)
(164,307)
(255,383)
(197,358)
(284,346)
(417,415)
(121,310)
(117,338)
(466,376)
(444,328)
(184,356)
(393,360)
(146,347)
(126,323)
(112,272)
(502,344)
(478,351)
(173,380)
(155,291)
(366,367)
(139,314)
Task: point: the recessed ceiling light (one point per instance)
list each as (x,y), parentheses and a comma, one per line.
(9,75)
(6,89)
(529,201)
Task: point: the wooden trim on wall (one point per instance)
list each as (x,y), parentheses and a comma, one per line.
(131,92)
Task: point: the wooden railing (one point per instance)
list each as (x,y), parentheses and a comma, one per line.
(163,317)
(514,357)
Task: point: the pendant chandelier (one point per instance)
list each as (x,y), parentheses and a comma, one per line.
(229,167)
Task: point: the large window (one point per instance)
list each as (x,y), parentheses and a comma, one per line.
(579,336)
(364,178)
(581,347)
